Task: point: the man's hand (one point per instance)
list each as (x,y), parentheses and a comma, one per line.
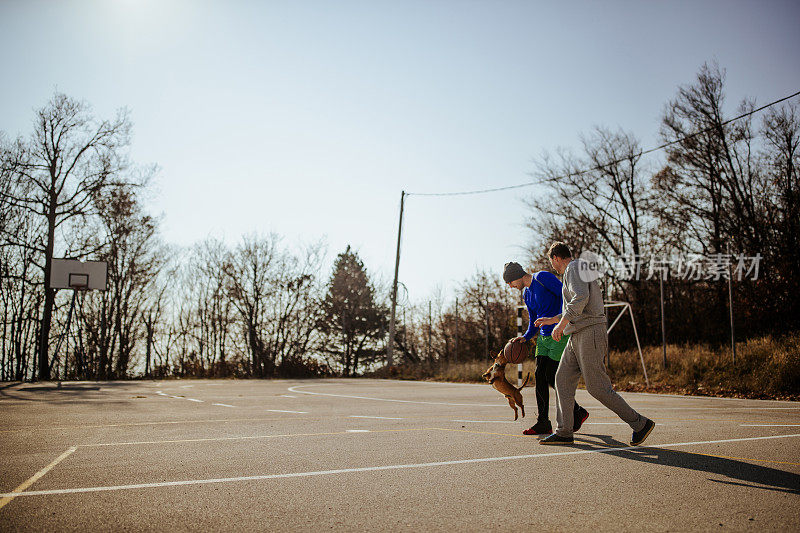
(539,322)
(519,339)
(558,331)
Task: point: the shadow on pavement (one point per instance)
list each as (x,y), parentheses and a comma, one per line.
(745,474)
(53,391)
(65,388)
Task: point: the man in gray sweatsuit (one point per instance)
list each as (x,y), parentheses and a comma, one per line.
(583,318)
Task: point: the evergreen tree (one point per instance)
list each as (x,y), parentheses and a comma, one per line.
(352,322)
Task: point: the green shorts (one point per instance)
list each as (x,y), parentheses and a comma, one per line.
(547,346)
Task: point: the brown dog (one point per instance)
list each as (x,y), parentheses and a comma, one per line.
(496,376)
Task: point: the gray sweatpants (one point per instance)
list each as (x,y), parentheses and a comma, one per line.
(584,354)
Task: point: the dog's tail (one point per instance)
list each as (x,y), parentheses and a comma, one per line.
(525,382)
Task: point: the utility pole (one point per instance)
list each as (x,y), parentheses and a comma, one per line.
(430,328)
(456,329)
(390,348)
(663,327)
(520,309)
(730,306)
(486,338)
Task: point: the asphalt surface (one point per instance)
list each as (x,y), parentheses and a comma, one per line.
(351,455)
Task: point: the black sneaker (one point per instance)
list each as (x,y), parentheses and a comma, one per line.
(556,439)
(542,427)
(639,436)
(580,418)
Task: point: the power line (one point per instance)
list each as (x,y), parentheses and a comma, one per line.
(599,167)
(403,194)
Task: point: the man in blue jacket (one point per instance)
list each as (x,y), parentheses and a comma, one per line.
(541,293)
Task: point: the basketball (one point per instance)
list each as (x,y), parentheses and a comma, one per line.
(515,352)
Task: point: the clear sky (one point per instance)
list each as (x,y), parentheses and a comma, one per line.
(308,118)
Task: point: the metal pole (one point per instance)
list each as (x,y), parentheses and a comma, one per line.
(66,332)
(730,306)
(486,337)
(639,346)
(616,319)
(390,348)
(456,354)
(430,328)
(663,327)
(519,334)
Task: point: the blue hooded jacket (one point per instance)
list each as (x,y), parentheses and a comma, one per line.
(543,300)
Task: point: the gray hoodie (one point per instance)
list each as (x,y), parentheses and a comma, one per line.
(583,301)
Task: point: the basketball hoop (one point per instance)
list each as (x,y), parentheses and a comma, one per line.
(78,275)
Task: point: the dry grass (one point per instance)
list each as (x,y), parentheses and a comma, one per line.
(766,367)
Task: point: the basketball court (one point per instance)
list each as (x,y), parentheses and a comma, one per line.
(345,454)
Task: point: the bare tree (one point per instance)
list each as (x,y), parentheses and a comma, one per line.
(20,279)
(781,160)
(250,274)
(134,261)
(213,314)
(294,309)
(599,202)
(154,310)
(488,313)
(781,130)
(713,194)
(68,160)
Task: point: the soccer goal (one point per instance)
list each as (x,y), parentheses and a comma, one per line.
(626,308)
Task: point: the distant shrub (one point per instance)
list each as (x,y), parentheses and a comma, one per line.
(298,367)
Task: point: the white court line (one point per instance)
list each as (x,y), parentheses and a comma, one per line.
(279,411)
(6,498)
(150,423)
(287,396)
(375,468)
(223,405)
(769,425)
(358,431)
(186,386)
(379,417)
(514,422)
(612,424)
(294,389)
(486,421)
(695,397)
(204,439)
(732,408)
(193,400)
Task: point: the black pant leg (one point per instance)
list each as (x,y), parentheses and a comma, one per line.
(543,383)
(552,368)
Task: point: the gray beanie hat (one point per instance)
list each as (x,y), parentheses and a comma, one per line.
(512,272)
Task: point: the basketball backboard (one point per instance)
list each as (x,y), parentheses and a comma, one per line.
(78,275)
